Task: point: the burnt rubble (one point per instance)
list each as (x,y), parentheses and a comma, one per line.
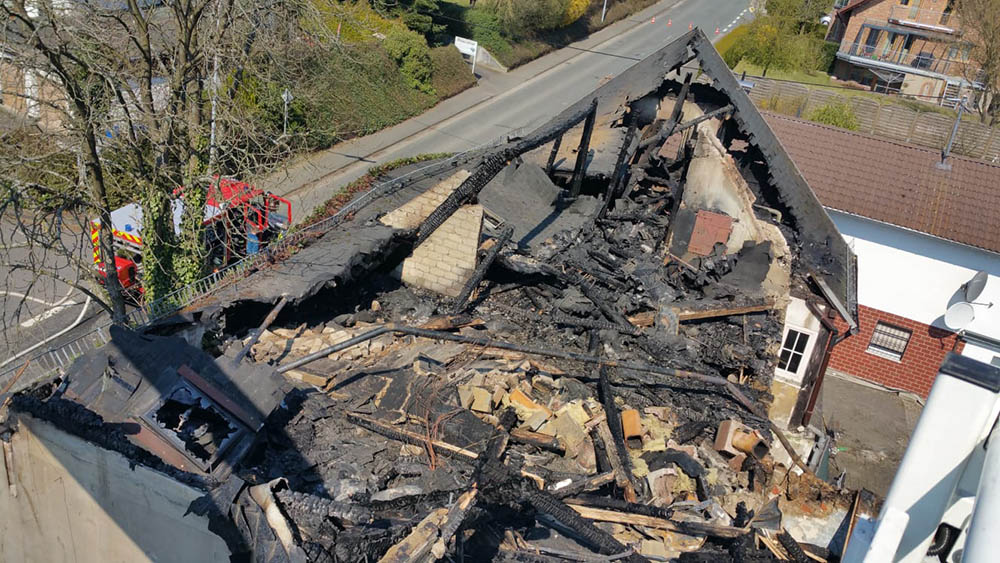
(583,373)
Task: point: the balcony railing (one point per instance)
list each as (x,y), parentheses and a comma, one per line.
(928,19)
(918,60)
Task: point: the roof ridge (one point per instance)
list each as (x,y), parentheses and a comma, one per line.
(903,144)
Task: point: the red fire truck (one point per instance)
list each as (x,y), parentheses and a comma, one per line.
(239,220)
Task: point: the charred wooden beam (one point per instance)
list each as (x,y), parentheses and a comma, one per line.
(260,330)
(583,150)
(491,165)
(552,156)
(621,506)
(629,146)
(714,113)
(652,144)
(480,272)
(584,485)
(618,447)
(541,441)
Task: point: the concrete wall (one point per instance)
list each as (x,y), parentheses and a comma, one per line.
(909,279)
(64,499)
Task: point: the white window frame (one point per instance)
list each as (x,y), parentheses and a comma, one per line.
(806,353)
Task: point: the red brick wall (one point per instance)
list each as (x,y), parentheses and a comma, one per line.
(921,360)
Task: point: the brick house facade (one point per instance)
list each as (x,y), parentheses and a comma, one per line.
(914,371)
(920,232)
(909,47)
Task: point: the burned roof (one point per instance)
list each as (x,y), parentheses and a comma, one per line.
(591,375)
(172,399)
(904,186)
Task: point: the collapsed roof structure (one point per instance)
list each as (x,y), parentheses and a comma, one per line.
(540,352)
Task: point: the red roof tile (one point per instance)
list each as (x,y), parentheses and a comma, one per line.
(896,183)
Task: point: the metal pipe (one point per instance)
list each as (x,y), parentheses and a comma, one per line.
(260,330)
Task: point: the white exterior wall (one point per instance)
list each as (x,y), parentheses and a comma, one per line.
(918,276)
(800,318)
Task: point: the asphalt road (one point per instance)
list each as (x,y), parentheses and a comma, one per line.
(500,103)
(39,311)
(524,98)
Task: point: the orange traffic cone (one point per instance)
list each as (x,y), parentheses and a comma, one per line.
(690,26)
(653,20)
(670,22)
(716,30)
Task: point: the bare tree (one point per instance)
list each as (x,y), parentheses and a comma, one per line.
(980,23)
(140,99)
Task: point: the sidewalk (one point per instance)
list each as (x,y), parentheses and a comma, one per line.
(351,159)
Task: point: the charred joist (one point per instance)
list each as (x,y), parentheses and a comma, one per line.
(793,548)
(595,295)
(343,511)
(622,506)
(492,165)
(583,150)
(552,156)
(614,418)
(621,167)
(406,437)
(583,529)
(652,144)
(260,330)
(480,272)
(714,113)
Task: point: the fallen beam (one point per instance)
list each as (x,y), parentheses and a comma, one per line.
(736,394)
(690,528)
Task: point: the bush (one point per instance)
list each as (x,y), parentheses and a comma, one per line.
(838,114)
(451,73)
(410,51)
(574,11)
(519,18)
(484,27)
(339,93)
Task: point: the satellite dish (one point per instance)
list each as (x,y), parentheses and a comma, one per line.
(974,287)
(959,315)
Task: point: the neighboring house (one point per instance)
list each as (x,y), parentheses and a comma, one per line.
(28,93)
(920,231)
(909,47)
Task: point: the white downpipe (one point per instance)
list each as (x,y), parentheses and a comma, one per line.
(79,318)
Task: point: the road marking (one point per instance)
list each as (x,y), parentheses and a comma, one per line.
(47,314)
